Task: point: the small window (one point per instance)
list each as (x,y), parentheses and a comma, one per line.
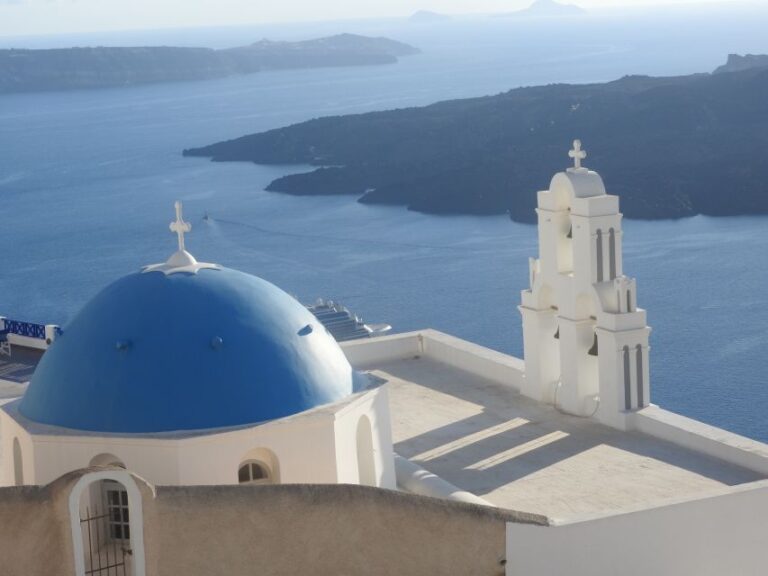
(253,473)
(116,500)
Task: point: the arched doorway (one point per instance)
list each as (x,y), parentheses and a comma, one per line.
(107,525)
(109,499)
(366,463)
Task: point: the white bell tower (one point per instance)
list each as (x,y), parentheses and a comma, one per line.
(585,340)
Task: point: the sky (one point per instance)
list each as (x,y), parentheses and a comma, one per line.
(32,17)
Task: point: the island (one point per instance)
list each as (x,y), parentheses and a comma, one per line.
(428,17)
(103,67)
(738,63)
(670,147)
(546,8)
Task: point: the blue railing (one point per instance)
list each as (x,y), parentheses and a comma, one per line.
(27,329)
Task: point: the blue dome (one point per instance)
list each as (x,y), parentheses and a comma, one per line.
(155,353)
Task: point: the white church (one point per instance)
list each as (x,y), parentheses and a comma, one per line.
(195,419)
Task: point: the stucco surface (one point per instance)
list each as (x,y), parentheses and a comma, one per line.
(323,529)
(35,538)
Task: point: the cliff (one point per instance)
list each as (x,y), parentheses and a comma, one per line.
(671,147)
(738,63)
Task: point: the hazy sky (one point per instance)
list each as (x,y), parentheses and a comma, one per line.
(21,17)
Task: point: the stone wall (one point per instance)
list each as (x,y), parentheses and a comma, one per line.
(268,530)
(35,536)
(325,529)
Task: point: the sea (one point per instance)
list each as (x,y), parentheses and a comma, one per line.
(88,180)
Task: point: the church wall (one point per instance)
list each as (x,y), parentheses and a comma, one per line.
(10,431)
(375,407)
(722,534)
(154,460)
(304,447)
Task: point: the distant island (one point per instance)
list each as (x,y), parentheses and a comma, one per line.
(426,16)
(671,147)
(102,67)
(738,63)
(546,8)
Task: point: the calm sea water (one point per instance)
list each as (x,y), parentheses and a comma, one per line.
(88,180)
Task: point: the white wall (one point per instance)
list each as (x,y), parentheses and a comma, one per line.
(9,430)
(461,354)
(375,406)
(723,535)
(702,438)
(305,446)
(366,351)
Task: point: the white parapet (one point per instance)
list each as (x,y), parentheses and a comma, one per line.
(723,533)
(703,438)
(484,362)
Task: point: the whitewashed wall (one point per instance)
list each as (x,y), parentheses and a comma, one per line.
(723,535)
(305,446)
(375,407)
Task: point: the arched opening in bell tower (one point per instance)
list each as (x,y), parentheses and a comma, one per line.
(599,257)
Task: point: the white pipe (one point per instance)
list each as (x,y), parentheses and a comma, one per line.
(415,479)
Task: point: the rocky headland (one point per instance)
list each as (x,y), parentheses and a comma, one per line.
(671,147)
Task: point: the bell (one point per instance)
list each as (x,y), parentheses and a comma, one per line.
(593,350)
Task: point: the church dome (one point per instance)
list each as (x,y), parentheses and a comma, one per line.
(186,348)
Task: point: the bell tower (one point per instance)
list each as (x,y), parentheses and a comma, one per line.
(585,340)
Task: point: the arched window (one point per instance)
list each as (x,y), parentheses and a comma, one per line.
(629,301)
(612,253)
(627,382)
(18,464)
(640,399)
(599,255)
(253,472)
(259,466)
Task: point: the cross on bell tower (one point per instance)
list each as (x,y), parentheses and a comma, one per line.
(577,154)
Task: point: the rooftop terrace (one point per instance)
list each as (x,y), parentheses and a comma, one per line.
(16,370)
(484,437)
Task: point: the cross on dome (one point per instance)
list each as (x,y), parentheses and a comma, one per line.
(577,154)
(179,226)
(181,260)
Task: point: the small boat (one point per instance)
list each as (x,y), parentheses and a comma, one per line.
(343,324)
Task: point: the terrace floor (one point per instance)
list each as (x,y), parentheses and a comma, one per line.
(523,455)
(16,370)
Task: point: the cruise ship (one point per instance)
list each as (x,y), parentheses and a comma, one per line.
(342,323)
